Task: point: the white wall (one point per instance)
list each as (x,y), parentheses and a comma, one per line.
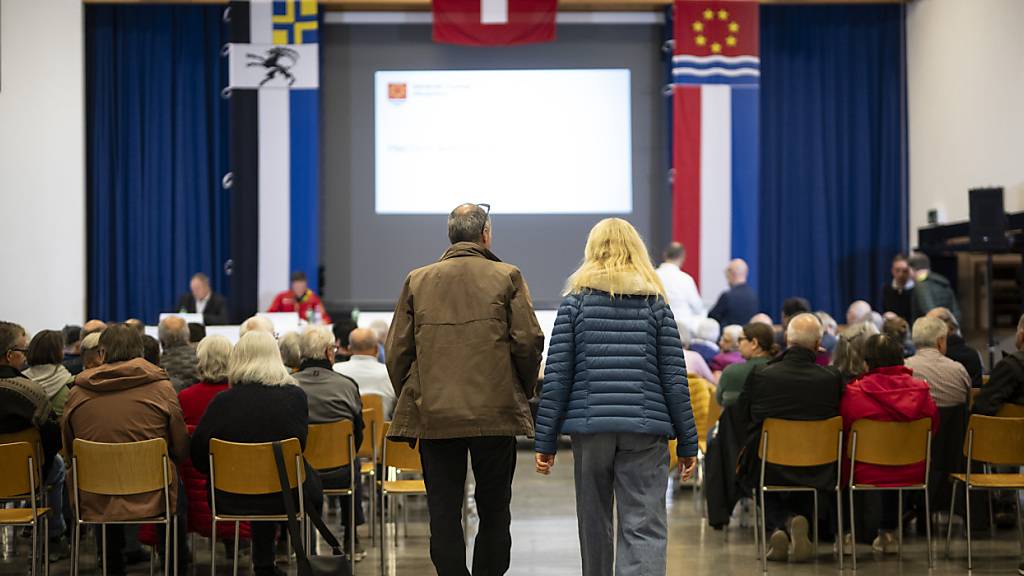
(965,74)
(42,162)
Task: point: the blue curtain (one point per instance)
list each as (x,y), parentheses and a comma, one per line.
(833,200)
(156,153)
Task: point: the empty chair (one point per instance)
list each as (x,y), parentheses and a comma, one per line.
(402,458)
(330,448)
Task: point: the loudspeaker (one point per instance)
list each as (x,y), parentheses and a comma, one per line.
(988,220)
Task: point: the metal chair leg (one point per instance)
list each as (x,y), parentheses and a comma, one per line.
(853,533)
(1020,518)
(213,548)
(757,526)
(949,522)
(234,568)
(46,546)
(764,536)
(35,544)
(815,525)
(103,536)
(839,523)
(899,543)
(928,527)
(76,547)
(967,525)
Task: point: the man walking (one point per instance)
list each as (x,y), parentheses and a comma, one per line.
(463,354)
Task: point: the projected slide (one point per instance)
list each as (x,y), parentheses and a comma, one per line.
(524,141)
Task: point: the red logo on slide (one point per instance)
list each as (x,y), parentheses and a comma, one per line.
(396,91)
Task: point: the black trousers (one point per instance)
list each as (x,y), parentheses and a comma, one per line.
(444,472)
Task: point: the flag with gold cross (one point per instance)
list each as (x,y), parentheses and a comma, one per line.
(296,22)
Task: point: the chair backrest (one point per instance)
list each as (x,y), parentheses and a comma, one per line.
(1007,411)
(121,469)
(251,468)
(30,435)
(373,411)
(400,455)
(17,476)
(327,445)
(700,393)
(995,440)
(890,443)
(801,442)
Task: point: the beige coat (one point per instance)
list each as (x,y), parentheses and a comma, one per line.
(464,349)
(125,402)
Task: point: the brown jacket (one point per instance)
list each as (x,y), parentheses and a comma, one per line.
(464,349)
(125,402)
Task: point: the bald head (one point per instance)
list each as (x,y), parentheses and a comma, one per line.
(736,272)
(93,327)
(173,332)
(362,342)
(469,223)
(859,311)
(804,331)
(761,318)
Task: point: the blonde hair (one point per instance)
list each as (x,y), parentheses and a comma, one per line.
(614,256)
(315,342)
(212,355)
(256,360)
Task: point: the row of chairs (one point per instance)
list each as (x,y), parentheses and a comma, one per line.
(997,441)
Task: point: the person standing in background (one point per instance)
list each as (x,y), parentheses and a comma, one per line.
(931,289)
(680,289)
(201,299)
(299,298)
(897,296)
(739,303)
(463,355)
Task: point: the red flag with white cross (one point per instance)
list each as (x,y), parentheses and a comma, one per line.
(494,22)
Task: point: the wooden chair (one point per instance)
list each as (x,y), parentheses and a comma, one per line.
(891,444)
(122,469)
(797,443)
(994,441)
(250,469)
(402,458)
(1007,411)
(373,420)
(21,480)
(329,447)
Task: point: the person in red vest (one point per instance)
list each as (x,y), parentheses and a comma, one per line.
(302,300)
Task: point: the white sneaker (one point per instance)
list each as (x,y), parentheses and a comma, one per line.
(847,545)
(885,543)
(778,546)
(800,547)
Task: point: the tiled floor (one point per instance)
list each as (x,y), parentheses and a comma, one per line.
(545,542)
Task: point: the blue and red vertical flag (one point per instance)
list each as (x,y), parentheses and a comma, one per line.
(715,73)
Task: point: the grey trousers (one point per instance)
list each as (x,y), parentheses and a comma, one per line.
(631,471)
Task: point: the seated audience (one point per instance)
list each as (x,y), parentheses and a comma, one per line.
(757,346)
(146,407)
(23,405)
(705,340)
(257,324)
(849,356)
(831,331)
(262,404)
(729,351)
(957,348)
(791,307)
(695,363)
(178,357)
(680,289)
(151,350)
(45,354)
(791,386)
(201,299)
(342,331)
(365,368)
(762,318)
(290,353)
(948,379)
(196,333)
(897,295)
(931,289)
(332,397)
(73,349)
(381,329)
(136,324)
(91,351)
(887,392)
(1006,384)
(897,328)
(212,355)
(859,311)
(302,300)
(93,326)
(739,303)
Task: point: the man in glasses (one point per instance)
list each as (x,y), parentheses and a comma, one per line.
(463,354)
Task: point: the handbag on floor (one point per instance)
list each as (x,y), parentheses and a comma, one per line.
(337,564)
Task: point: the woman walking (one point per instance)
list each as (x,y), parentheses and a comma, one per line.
(615,381)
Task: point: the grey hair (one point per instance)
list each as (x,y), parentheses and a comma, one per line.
(802,337)
(709,329)
(315,342)
(927,332)
(256,360)
(827,321)
(467,223)
(734,332)
(381,329)
(91,342)
(256,323)
(171,336)
(213,355)
(290,354)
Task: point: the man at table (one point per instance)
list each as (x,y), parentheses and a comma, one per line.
(302,300)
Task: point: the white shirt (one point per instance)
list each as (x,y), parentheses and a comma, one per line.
(201,304)
(681,293)
(372,378)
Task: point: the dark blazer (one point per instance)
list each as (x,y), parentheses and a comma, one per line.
(791,386)
(216,312)
(1005,385)
(957,349)
(898,301)
(736,306)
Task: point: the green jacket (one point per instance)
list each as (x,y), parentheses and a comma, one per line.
(932,292)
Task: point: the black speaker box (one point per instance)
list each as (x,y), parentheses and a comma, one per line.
(988,220)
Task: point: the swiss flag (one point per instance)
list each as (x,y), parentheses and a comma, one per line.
(494,22)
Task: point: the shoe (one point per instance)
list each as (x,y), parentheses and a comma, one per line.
(885,543)
(59,549)
(359,554)
(847,545)
(800,547)
(778,546)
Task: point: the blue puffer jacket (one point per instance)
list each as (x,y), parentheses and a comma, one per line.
(615,364)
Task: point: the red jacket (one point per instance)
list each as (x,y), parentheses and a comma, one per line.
(889,394)
(287,302)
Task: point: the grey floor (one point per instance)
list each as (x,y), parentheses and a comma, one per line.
(545,541)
